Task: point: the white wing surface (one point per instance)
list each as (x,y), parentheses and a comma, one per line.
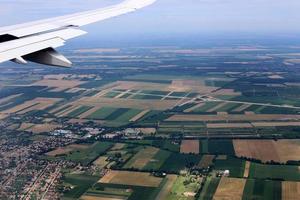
(36,41)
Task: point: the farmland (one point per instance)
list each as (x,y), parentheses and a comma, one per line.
(150,123)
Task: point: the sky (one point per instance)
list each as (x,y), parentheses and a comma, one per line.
(169,18)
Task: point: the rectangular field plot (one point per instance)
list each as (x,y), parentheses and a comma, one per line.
(84,154)
(268,150)
(217,147)
(80,184)
(131,178)
(102,113)
(230,188)
(189,146)
(141,159)
(262,189)
(209,188)
(279,172)
(183,188)
(235,166)
(177,162)
(290,190)
(75,113)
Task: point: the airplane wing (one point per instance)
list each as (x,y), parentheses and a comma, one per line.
(36,41)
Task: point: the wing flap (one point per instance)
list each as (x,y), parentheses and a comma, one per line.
(23,46)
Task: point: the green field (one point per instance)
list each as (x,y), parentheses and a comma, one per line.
(86,156)
(102,113)
(183,184)
(79,111)
(158,160)
(209,188)
(177,162)
(234,165)
(219,146)
(262,190)
(279,172)
(80,184)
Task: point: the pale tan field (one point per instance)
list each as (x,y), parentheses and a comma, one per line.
(131,178)
(74,90)
(59,85)
(43,128)
(163,194)
(142,104)
(231,117)
(230,189)
(6,99)
(190,85)
(242,108)
(141,159)
(139,116)
(35,104)
(101,162)
(189,146)
(87,197)
(57,76)
(67,149)
(267,150)
(3,116)
(89,112)
(25,126)
(275,76)
(206,161)
(271,124)
(65,112)
(147,131)
(118,146)
(220,105)
(247,168)
(227,92)
(290,190)
(194,107)
(229,125)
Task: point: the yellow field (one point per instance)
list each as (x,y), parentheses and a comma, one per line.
(267,150)
(230,189)
(131,178)
(290,190)
(189,146)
